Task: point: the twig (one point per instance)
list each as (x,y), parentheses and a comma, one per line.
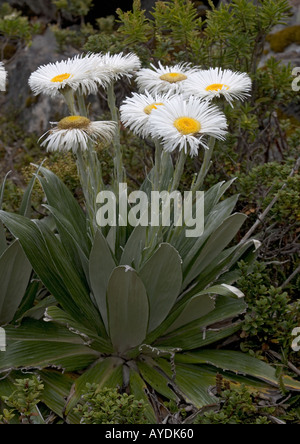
(291,277)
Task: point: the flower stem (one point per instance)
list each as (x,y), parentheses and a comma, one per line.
(205,165)
(158,165)
(179,170)
(119,170)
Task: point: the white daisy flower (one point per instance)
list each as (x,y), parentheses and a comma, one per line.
(216,82)
(83,73)
(75,132)
(3,75)
(183,124)
(120,65)
(165,78)
(135,111)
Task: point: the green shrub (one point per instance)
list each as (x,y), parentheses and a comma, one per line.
(108,406)
(237,406)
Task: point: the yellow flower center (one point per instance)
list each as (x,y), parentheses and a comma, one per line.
(148,110)
(173,77)
(61,78)
(216,87)
(74,122)
(187,125)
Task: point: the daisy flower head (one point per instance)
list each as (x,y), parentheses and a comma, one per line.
(183,124)
(75,132)
(120,65)
(81,73)
(3,75)
(165,78)
(136,110)
(216,82)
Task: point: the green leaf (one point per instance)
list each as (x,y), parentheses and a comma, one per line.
(193,383)
(2,188)
(151,373)
(15,271)
(70,243)
(215,245)
(198,334)
(56,315)
(60,198)
(26,200)
(101,266)
(197,307)
(52,264)
(238,363)
(162,277)
(128,309)
(38,354)
(3,243)
(213,220)
(57,387)
(139,390)
(134,247)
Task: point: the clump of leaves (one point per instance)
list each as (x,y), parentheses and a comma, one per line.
(271,314)
(75,8)
(237,406)
(15,28)
(108,406)
(23,401)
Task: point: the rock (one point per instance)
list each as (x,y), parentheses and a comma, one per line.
(34,113)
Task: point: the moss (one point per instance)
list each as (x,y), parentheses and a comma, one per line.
(282,39)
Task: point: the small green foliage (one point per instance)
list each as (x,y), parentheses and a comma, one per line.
(15,28)
(108,406)
(70,37)
(237,406)
(23,401)
(271,315)
(77,8)
(135,26)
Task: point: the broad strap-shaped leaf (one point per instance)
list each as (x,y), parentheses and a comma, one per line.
(190,247)
(238,363)
(39,345)
(134,247)
(59,316)
(57,388)
(3,243)
(52,264)
(101,266)
(191,382)
(61,198)
(190,309)
(69,240)
(151,373)
(15,271)
(162,277)
(139,389)
(26,200)
(217,242)
(197,307)
(128,309)
(201,332)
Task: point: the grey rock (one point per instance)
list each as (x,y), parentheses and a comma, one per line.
(33,113)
